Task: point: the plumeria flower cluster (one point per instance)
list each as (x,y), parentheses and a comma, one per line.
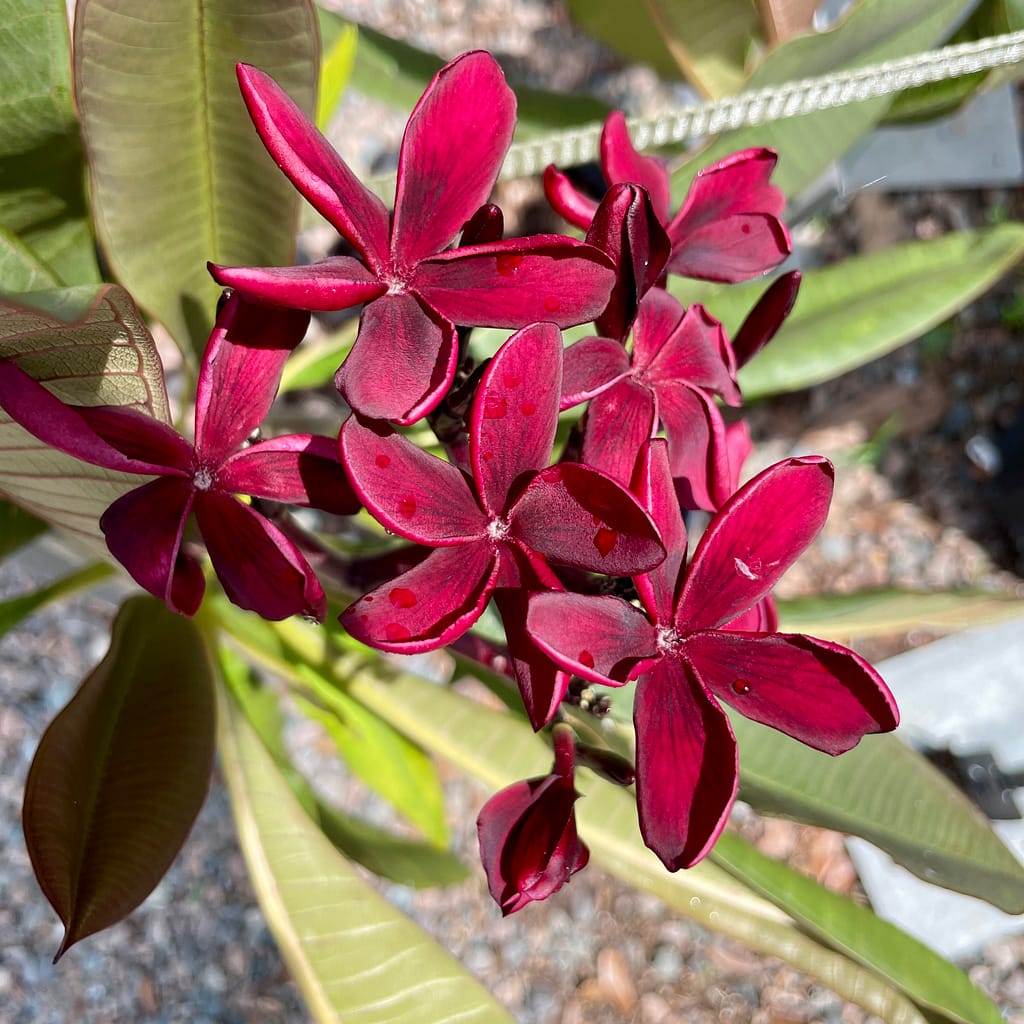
(582,552)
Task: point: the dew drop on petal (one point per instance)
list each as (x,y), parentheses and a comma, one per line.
(528,408)
(745,229)
(551,304)
(508,263)
(741,687)
(494,407)
(511,380)
(586,658)
(402,597)
(487,456)
(407,507)
(395,631)
(383,461)
(368,600)
(604,540)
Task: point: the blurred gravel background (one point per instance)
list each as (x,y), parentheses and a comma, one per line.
(911,509)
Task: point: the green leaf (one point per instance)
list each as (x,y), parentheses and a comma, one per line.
(406,861)
(20,269)
(122,771)
(14,609)
(42,198)
(926,977)
(875,613)
(354,957)
(853,312)
(179,175)
(338,44)
(874,31)
(889,794)
(93,345)
(17,528)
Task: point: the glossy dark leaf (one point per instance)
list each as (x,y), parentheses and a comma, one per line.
(122,772)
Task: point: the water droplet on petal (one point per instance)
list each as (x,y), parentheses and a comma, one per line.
(368,600)
(508,263)
(528,408)
(604,540)
(551,304)
(494,407)
(487,456)
(586,658)
(511,380)
(745,229)
(402,597)
(407,507)
(395,631)
(741,687)
(383,461)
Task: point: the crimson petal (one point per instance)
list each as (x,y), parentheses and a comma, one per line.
(817,692)
(453,147)
(621,162)
(428,606)
(515,412)
(597,638)
(300,469)
(402,363)
(414,494)
(139,436)
(241,371)
(313,166)
(260,569)
(619,421)
(517,282)
(338,282)
(577,516)
(732,250)
(698,449)
(590,366)
(754,539)
(686,764)
(143,529)
(764,320)
(567,200)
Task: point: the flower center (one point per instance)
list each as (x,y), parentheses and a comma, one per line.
(202,478)
(669,641)
(497,530)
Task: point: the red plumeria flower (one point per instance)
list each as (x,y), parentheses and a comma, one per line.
(527,833)
(259,567)
(728,228)
(414,287)
(691,648)
(495,531)
(680,360)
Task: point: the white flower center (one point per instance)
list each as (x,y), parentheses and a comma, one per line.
(497,530)
(202,479)
(669,640)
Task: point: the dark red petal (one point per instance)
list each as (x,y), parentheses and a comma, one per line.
(738,446)
(698,452)
(64,427)
(429,606)
(692,354)
(576,516)
(597,638)
(754,539)
(619,421)
(139,436)
(817,692)
(143,530)
(658,318)
(260,569)
(338,282)
(414,494)
(515,413)
(518,282)
(300,469)
(485,226)
(734,249)
(653,485)
(402,363)
(762,618)
(313,166)
(686,764)
(626,228)
(590,366)
(453,147)
(621,162)
(240,373)
(567,200)
(764,320)
(739,183)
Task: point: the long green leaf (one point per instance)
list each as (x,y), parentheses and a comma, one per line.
(94,347)
(122,771)
(885,612)
(42,195)
(179,175)
(354,957)
(17,527)
(873,31)
(854,312)
(20,269)
(14,609)
(919,971)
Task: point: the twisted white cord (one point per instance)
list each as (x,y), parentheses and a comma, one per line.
(806,96)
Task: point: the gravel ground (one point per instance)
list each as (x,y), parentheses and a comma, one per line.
(909,511)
